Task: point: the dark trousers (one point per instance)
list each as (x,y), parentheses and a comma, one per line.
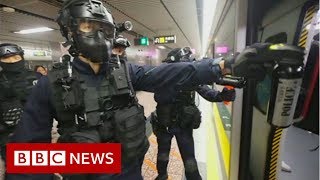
(186,147)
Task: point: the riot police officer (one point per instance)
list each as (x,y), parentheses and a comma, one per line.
(16,83)
(93,102)
(178,116)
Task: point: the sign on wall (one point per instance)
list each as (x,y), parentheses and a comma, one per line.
(164,39)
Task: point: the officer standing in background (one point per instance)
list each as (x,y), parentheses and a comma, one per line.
(40,71)
(94,103)
(120,44)
(177,116)
(16,83)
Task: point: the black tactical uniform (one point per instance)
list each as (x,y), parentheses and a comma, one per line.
(100,106)
(16,83)
(177,115)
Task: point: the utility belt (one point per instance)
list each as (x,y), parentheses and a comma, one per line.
(181,115)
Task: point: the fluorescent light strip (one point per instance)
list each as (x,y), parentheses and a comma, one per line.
(34,30)
(161,47)
(209,10)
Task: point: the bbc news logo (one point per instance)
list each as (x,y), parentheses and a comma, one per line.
(64,158)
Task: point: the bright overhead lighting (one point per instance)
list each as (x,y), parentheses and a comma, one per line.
(161,47)
(34,30)
(209,11)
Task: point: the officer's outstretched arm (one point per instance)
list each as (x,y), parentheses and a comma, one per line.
(180,76)
(36,122)
(216,96)
(208,93)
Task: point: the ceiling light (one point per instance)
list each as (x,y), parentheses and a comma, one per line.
(34,30)
(161,47)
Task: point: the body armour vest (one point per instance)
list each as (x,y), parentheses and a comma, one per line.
(183,112)
(15,88)
(104,113)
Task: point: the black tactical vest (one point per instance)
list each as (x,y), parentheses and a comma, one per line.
(14,90)
(106,113)
(183,112)
(185,98)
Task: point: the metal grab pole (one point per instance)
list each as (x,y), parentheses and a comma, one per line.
(246,126)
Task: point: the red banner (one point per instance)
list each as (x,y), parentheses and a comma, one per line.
(39,158)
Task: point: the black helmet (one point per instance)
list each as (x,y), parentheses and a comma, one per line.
(121,41)
(78,16)
(73,10)
(179,54)
(8,49)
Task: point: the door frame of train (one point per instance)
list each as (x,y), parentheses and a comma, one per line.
(240,44)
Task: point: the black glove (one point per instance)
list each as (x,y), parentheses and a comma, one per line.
(253,53)
(226,95)
(229,60)
(251,62)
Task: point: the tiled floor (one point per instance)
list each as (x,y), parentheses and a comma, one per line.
(175,167)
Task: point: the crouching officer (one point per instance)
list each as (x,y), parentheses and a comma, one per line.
(178,116)
(16,83)
(95,103)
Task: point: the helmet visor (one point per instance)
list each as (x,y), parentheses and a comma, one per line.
(186,51)
(92,26)
(10,50)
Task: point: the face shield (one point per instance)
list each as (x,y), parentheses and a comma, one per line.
(94,39)
(185,55)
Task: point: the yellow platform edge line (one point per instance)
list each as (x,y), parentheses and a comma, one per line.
(223,139)
(212,153)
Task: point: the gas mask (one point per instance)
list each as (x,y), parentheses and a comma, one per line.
(16,67)
(94,40)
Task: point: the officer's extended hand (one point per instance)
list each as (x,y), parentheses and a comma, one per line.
(250,63)
(227,95)
(256,53)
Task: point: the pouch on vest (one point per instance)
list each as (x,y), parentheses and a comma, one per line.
(190,117)
(11,112)
(130,132)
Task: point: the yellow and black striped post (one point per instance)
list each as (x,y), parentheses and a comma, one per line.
(306,21)
(273,153)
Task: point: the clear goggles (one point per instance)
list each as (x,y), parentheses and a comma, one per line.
(10,50)
(186,51)
(93,26)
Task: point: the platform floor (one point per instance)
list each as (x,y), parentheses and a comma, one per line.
(298,155)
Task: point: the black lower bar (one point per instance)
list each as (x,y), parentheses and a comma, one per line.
(246,126)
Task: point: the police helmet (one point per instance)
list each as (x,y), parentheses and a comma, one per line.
(8,49)
(75,11)
(121,41)
(178,54)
